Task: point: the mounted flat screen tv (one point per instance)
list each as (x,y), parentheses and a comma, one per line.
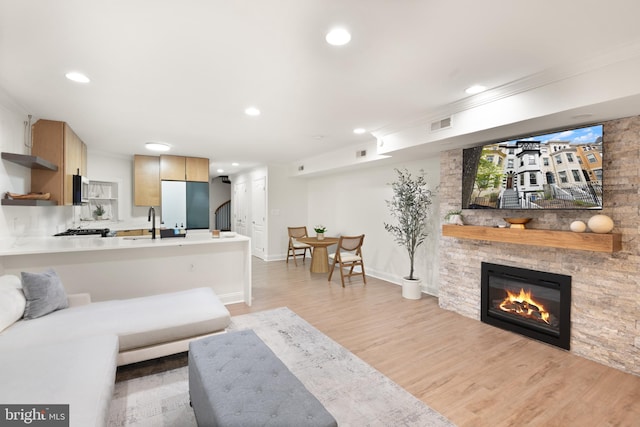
(557,170)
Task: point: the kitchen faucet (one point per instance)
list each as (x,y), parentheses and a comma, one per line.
(152,218)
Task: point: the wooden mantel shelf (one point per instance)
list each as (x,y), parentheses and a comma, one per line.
(609,242)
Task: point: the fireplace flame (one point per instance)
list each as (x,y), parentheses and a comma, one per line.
(524,305)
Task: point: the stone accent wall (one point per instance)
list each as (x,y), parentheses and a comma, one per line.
(605,309)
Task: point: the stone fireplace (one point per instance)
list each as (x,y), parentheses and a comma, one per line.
(536,304)
(605,286)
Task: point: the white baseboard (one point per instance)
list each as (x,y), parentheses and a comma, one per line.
(391,279)
(231,298)
(278,257)
(383,276)
(396,280)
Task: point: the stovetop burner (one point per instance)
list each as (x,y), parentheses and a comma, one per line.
(103,232)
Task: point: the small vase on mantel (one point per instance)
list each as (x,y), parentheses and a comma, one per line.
(320,236)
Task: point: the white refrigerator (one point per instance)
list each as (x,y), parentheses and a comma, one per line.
(185,205)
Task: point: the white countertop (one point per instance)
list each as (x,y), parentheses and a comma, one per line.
(50,244)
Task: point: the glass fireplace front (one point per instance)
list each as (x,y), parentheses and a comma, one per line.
(533,303)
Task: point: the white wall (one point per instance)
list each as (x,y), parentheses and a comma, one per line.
(21,220)
(48,220)
(354,203)
(347,203)
(287,207)
(115,168)
(102,166)
(14,178)
(236,209)
(219,193)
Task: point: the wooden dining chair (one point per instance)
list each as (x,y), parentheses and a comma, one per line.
(294,246)
(348,255)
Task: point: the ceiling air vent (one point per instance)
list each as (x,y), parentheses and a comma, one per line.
(361,153)
(441,124)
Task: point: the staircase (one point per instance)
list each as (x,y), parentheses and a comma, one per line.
(223,216)
(510,199)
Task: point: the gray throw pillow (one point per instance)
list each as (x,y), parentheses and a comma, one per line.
(44,293)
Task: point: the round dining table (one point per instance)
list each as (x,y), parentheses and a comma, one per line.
(319,254)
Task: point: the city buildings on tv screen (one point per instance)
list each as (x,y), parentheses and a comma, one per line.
(560,170)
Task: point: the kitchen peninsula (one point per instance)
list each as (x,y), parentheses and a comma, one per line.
(126,267)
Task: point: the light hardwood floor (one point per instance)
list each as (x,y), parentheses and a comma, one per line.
(474,374)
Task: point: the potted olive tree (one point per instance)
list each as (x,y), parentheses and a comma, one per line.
(410,206)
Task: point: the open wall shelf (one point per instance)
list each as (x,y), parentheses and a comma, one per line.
(31,162)
(28,202)
(610,242)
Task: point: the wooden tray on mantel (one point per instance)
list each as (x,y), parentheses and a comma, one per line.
(609,242)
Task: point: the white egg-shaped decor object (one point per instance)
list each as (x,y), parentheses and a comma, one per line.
(600,224)
(578,226)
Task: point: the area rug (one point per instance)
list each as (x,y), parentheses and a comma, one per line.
(352,391)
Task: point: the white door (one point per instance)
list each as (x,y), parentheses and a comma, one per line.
(240,208)
(258,216)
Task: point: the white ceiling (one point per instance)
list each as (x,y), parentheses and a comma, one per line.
(183,72)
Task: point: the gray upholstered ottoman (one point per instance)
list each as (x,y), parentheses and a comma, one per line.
(236,380)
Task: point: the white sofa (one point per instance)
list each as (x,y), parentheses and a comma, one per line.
(69,356)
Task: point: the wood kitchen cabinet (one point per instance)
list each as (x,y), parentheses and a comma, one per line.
(197,169)
(146,180)
(179,168)
(172,168)
(136,232)
(149,171)
(126,233)
(57,143)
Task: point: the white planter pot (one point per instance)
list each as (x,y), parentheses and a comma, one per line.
(411,289)
(455,220)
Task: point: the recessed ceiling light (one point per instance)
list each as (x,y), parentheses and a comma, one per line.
(359,131)
(77,77)
(157,146)
(219,170)
(252,111)
(235,164)
(338,37)
(472,90)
